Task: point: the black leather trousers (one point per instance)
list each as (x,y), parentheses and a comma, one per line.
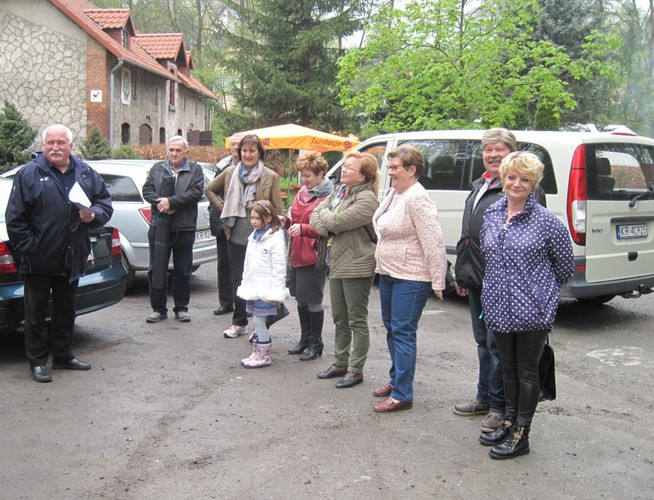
(520,353)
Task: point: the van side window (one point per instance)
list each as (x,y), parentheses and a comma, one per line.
(549,179)
(618,171)
(443,163)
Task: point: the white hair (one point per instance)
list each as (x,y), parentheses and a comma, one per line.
(176,138)
(69,134)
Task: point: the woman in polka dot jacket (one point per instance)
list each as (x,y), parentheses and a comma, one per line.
(528,258)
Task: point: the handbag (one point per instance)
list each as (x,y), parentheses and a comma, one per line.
(321,253)
(282,312)
(546,374)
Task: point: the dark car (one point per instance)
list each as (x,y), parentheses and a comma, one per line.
(102,286)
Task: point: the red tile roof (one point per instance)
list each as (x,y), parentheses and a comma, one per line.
(92,20)
(109,18)
(163,45)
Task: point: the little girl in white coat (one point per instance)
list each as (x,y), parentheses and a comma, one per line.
(263,285)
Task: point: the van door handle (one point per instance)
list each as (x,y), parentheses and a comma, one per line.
(632,256)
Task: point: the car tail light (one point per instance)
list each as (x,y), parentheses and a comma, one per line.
(7,263)
(115,242)
(146,213)
(577,197)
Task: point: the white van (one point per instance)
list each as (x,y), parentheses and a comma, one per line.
(599,184)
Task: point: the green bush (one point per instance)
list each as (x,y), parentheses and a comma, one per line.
(16,135)
(95,147)
(124,152)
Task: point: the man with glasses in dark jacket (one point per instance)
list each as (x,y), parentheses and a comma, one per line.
(48,233)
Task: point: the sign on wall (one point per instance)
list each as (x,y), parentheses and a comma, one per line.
(96,96)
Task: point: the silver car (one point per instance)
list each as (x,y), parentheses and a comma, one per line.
(124,180)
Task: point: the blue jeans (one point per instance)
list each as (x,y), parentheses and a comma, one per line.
(402,302)
(181,244)
(490,388)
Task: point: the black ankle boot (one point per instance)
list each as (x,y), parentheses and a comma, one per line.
(305,328)
(498,435)
(315,343)
(516,444)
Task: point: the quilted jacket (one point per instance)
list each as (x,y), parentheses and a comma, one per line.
(527,262)
(352,252)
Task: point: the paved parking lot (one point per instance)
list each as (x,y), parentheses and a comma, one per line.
(167,412)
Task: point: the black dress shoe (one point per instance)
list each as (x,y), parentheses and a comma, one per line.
(333,371)
(73,364)
(223,310)
(349,380)
(40,374)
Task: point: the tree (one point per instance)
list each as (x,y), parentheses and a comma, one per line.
(95,147)
(459,63)
(635,26)
(16,135)
(284,56)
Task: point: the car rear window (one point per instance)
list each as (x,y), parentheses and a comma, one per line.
(122,188)
(619,171)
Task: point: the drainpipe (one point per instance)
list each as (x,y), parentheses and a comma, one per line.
(111,102)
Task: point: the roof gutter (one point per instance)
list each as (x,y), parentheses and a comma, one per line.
(111,101)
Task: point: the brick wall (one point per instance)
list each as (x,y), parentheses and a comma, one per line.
(97,79)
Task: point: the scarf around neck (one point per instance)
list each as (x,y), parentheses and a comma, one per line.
(241,193)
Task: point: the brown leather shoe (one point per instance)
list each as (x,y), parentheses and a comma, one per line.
(388,405)
(474,407)
(333,371)
(383,392)
(349,380)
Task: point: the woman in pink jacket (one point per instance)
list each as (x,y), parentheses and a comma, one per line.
(306,280)
(411,261)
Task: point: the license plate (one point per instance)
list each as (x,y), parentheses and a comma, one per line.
(629,231)
(204,235)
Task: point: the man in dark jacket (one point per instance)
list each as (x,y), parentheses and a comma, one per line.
(496,143)
(225,297)
(48,233)
(173,188)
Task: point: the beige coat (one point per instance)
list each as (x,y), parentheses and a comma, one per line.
(352,253)
(267,189)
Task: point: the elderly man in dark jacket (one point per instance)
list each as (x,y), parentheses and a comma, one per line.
(173,188)
(48,233)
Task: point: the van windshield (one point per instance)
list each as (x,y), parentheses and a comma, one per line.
(619,171)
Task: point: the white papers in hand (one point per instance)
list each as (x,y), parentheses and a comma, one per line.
(78,196)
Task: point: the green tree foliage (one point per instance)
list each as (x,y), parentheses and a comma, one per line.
(16,135)
(284,59)
(95,147)
(459,63)
(635,27)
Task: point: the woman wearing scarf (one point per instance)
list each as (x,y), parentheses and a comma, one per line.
(243,184)
(307,278)
(345,218)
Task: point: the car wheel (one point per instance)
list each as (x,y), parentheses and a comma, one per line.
(599,300)
(195,268)
(131,274)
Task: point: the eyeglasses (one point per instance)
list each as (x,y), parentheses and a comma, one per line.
(395,168)
(345,168)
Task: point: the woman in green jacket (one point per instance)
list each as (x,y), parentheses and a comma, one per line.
(345,217)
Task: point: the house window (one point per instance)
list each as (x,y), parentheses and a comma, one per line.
(172,93)
(124,38)
(124,133)
(162,135)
